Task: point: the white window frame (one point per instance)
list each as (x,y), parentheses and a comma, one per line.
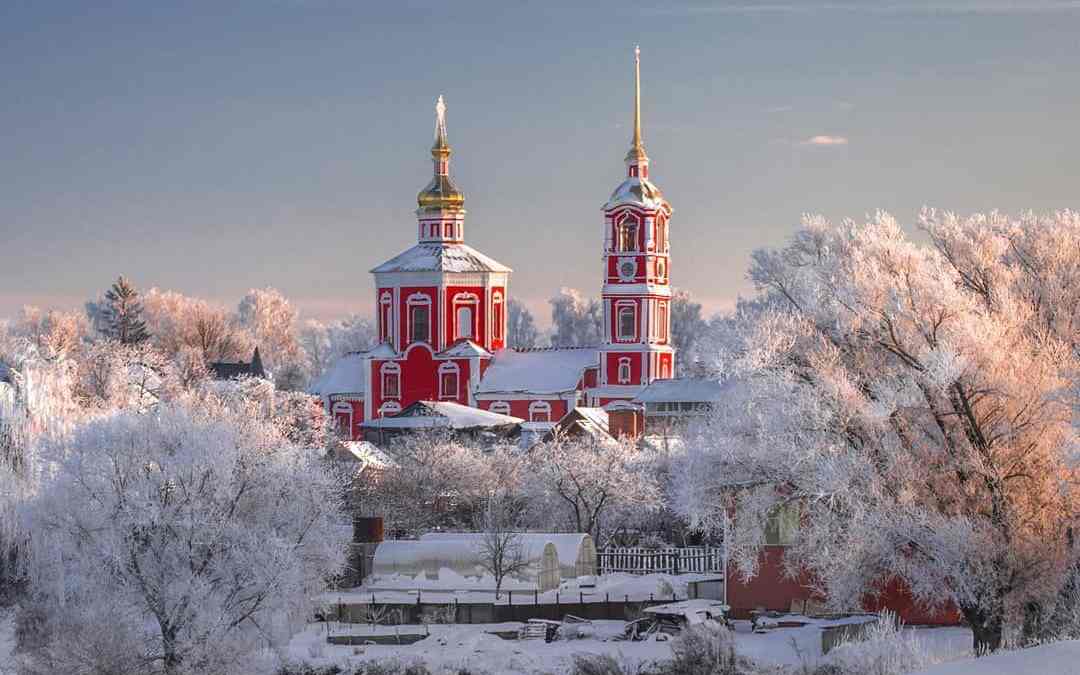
(386,315)
(472,302)
(419,300)
(342,408)
(619,307)
(500,407)
(449,369)
(624,243)
(537,408)
(498,310)
(624,370)
(390,369)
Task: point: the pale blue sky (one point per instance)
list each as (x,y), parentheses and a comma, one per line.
(209,147)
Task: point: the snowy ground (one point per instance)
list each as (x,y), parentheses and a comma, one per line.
(456,645)
(1059,658)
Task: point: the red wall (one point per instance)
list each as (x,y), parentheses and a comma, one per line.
(613,366)
(896,597)
(520,407)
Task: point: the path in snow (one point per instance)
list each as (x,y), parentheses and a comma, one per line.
(1059,658)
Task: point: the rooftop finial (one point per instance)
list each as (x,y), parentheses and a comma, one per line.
(637,96)
(440,123)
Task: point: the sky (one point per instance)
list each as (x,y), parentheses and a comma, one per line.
(212,147)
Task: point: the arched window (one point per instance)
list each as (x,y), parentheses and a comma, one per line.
(501,407)
(661,269)
(448,381)
(624,370)
(626,234)
(419,318)
(497,315)
(386,308)
(539,411)
(343,419)
(626,324)
(662,320)
(465,322)
(391,380)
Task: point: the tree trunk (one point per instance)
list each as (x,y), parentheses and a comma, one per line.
(986,629)
(170,659)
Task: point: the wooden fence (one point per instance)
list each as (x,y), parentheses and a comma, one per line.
(696,559)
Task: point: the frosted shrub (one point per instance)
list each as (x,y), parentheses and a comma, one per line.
(885,649)
(705,649)
(604,664)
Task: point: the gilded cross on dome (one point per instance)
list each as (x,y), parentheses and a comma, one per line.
(440,123)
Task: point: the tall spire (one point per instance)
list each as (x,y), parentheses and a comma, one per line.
(440,193)
(636,159)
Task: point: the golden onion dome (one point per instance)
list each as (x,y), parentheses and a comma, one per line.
(440,193)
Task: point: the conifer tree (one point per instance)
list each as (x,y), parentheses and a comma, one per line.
(123,314)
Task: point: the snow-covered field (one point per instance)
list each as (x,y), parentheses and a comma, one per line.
(1059,658)
(452,646)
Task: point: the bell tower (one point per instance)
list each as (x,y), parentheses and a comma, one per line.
(636,291)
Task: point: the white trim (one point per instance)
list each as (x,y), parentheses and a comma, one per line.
(501,407)
(418,300)
(624,362)
(446,369)
(389,368)
(389,407)
(537,407)
(620,305)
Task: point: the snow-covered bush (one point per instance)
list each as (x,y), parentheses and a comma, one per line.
(705,649)
(606,664)
(885,648)
(189,538)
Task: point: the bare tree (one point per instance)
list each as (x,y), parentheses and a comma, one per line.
(501,550)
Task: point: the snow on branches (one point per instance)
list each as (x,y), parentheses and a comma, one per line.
(917,402)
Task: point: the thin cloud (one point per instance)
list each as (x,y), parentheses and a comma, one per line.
(825,140)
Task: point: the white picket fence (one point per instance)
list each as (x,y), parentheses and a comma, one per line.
(632,560)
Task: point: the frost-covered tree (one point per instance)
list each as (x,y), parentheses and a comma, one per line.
(270,319)
(323,344)
(178,322)
(522,332)
(915,406)
(686,326)
(585,485)
(576,321)
(187,540)
(52,335)
(121,315)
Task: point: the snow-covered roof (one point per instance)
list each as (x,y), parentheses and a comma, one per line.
(368,454)
(637,191)
(438,257)
(465,349)
(682,390)
(694,611)
(537,371)
(425,414)
(347,375)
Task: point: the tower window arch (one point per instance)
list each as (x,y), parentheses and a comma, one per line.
(391,380)
(626,321)
(419,318)
(448,381)
(624,370)
(626,234)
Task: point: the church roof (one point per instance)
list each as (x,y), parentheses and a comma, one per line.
(465,348)
(344,376)
(430,414)
(639,192)
(440,257)
(537,371)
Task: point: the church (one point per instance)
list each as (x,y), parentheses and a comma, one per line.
(441,313)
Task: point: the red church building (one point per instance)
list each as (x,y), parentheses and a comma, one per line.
(441,311)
